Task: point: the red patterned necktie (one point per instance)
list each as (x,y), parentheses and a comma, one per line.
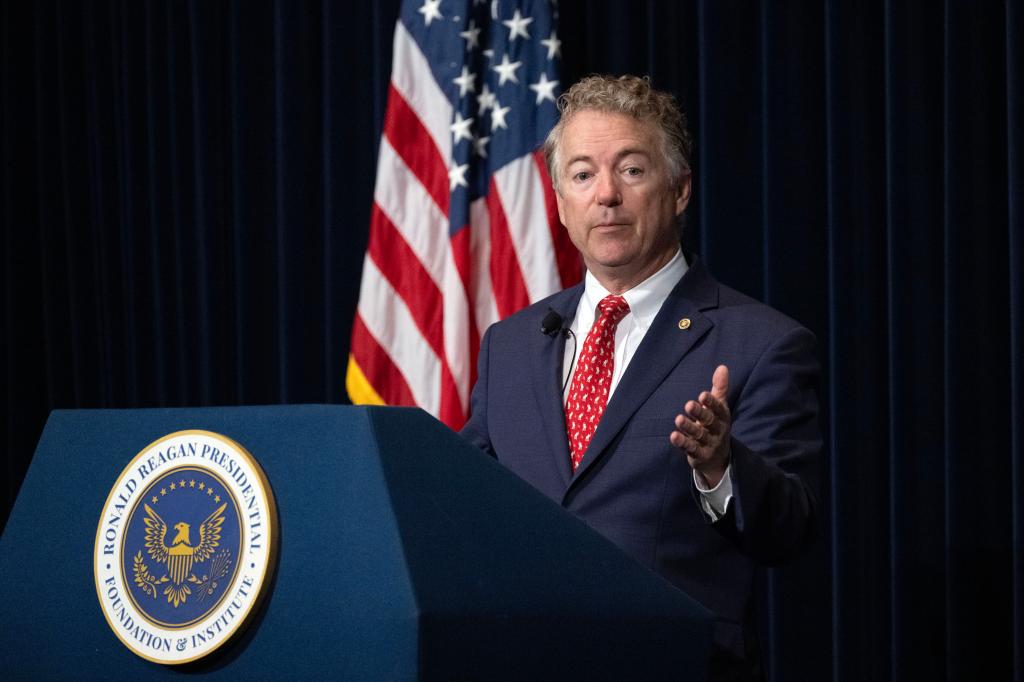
(588,393)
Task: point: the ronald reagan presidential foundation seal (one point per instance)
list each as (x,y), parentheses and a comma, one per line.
(185,546)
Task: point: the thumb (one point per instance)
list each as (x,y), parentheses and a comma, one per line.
(720,383)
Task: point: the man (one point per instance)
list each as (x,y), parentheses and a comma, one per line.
(680,417)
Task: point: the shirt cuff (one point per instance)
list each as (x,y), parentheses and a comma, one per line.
(715,500)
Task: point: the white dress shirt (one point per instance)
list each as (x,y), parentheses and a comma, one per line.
(645,300)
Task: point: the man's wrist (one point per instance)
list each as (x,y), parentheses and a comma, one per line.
(710,480)
(711,476)
(714,501)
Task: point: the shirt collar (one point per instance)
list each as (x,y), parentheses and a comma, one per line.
(646,298)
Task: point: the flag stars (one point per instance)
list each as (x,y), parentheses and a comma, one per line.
(209,491)
(431,9)
(181,483)
(472,36)
(517,26)
(486,98)
(498,116)
(154,499)
(457,176)
(163,491)
(201,485)
(507,70)
(460,129)
(544,88)
(480,145)
(192,483)
(554,46)
(466,82)
(172,486)
(216,498)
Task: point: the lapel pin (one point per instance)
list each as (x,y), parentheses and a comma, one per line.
(684,323)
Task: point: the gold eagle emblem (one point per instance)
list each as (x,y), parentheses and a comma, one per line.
(181,555)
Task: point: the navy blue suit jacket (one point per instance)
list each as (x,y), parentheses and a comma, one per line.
(632,485)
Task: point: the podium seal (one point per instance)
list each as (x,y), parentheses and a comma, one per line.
(185,546)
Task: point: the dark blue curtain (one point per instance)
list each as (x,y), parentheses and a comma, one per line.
(185,198)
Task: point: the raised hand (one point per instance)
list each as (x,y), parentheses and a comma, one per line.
(702,430)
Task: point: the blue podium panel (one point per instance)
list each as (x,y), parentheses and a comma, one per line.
(404,553)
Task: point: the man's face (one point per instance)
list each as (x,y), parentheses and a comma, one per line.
(616,198)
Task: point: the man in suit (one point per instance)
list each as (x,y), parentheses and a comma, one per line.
(679,419)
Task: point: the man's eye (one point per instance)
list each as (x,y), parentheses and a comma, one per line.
(581,176)
(634,171)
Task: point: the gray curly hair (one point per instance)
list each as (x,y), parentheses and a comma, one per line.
(634,97)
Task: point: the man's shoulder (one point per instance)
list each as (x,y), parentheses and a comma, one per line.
(753,316)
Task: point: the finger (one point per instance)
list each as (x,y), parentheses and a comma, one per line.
(684,443)
(704,439)
(719,408)
(720,383)
(689,427)
(701,416)
(694,410)
(706,405)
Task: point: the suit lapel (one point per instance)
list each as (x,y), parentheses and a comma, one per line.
(664,345)
(547,382)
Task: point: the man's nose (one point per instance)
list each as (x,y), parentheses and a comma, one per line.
(608,193)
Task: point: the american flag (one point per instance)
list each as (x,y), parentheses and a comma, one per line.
(464,228)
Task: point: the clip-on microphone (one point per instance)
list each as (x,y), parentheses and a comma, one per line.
(552,325)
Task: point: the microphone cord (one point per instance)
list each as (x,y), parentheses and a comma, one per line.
(572,360)
(552,325)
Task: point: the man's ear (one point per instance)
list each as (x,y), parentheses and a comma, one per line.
(683,192)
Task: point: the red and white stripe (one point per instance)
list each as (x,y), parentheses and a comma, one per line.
(426,297)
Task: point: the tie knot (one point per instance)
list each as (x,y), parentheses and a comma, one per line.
(614,308)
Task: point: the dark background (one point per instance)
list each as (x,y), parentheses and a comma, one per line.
(185,200)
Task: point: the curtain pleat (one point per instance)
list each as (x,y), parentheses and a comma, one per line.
(914,257)
(978,568)
(186,198)
(1015,232)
